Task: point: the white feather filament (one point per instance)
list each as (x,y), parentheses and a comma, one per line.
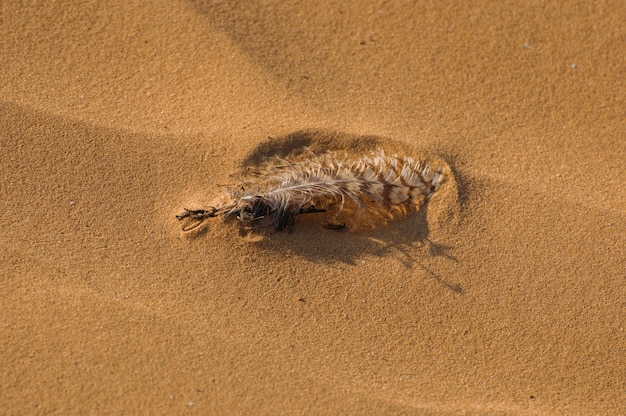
(383,186)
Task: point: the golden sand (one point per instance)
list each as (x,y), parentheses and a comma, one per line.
(505,296)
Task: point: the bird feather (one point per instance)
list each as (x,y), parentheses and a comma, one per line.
(377,184)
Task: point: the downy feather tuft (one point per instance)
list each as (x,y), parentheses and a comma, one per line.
(377,184)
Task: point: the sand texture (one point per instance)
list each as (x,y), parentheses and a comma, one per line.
(504,295)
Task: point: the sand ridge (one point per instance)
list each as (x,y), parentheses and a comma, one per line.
(504,296)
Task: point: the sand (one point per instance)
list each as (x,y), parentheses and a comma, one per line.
(504,295)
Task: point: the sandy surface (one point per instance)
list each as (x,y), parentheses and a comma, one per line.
(506,295)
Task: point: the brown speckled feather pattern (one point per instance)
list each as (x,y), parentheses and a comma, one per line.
(374,184)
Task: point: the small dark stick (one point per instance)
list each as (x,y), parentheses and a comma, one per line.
(197,217)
